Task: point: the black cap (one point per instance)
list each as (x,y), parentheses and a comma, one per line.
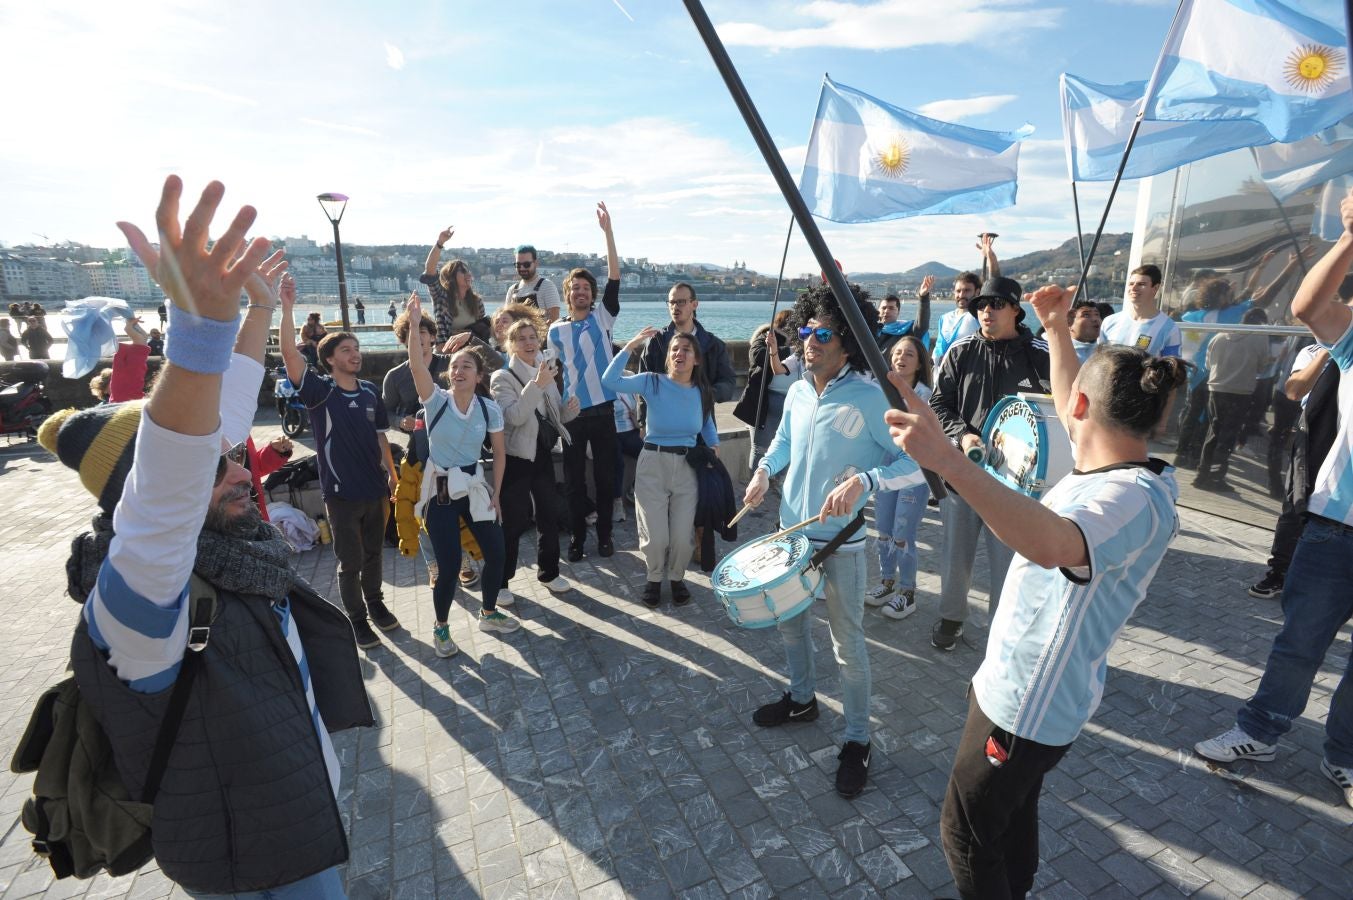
(1000,288)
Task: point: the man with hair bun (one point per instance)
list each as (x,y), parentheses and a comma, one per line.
(1084,558)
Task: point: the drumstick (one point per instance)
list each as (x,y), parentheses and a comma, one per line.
(742,512)
(791,529)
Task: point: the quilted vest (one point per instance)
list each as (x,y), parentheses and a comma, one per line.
(245,803)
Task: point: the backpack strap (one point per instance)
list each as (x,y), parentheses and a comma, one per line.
(202,605)
(842,536)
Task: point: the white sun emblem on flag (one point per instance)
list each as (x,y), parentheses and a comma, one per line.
(1313,67)
(892,160)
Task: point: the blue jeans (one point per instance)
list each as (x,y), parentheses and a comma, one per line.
(326,885)
(1317,601)
(443,526)
(897,515)
(845,577)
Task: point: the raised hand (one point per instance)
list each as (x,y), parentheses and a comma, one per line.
(455,343)
(1346,211)
(415,310)
(445,234)
(603,218)
(133,330)
(641,338)
(985,241)
(927,283)
(286,293)
(263,283)
(1052,305)
(201,281)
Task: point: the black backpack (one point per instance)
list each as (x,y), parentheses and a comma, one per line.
(81,816)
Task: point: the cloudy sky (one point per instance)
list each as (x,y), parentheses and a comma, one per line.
(511,120)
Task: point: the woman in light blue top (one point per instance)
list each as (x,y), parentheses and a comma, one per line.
(457,422)
(680,409)
(897,514)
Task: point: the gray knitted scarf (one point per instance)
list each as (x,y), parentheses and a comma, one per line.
(258,565)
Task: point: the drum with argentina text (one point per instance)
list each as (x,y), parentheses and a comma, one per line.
(1027,447)
(766,581)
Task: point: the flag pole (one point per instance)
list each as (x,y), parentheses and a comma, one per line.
(1076,205)
(770,335)
(835,277)
(1291,232)
(1127,149)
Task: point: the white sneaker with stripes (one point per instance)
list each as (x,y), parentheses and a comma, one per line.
(1235,745)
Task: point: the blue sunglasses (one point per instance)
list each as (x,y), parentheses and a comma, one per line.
(824,335)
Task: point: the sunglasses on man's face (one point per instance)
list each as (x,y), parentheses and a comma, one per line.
(525,265)
(995,303)
(823,335)
(237,454)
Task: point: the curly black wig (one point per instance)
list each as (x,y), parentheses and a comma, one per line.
(818,302)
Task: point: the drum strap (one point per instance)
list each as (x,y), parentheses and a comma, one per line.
(842,536)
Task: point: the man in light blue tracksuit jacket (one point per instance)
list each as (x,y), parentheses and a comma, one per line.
(835,450)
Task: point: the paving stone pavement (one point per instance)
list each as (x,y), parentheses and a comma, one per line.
(606,750)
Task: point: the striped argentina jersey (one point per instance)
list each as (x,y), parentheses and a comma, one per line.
(583,349)
(1158,335)
(1046,660)
(1333,494)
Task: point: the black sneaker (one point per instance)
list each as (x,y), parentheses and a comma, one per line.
(575,551)
(945,634)
(785,710)
(605,547)
(366,638)
(854,769)
(652,595)
(681,595)
(381,615)
(1271,586)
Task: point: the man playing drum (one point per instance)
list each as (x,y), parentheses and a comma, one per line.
(1084,558)
(831,443)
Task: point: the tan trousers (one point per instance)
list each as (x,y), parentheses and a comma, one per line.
(664,497)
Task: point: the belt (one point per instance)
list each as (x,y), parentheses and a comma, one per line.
(679,451)
(1324,520)
(601,409)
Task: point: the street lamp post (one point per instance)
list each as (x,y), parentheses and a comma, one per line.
(333,206)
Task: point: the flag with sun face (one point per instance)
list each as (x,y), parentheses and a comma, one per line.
(1258,60)
(868,161)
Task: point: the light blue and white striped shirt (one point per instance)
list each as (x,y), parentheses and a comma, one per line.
(1333,495)
(583,349)
(955,325)
(1046,660)
(1158,335)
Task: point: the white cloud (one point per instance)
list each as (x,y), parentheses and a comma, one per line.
(892,24)
(954,110)
(394,57)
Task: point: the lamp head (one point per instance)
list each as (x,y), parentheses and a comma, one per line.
(333,205)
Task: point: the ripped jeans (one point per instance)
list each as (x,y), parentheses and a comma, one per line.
(897,515)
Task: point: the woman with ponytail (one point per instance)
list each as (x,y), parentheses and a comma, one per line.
(680,412)
(1084,558)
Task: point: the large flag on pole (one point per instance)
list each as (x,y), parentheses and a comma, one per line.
(869,161)
(1256,60)
(1097,119)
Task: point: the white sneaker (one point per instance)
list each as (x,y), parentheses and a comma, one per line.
(558,586)
(619,514)
(879,595)
(900,605)
(442,644)
(505,598)
(1234,745)
(496,621)
(1341,776)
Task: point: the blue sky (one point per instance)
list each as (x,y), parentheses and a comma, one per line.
(510,120)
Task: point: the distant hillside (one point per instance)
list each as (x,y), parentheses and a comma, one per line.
(1029,267)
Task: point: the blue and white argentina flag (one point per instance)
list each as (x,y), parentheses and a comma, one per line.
(1259,60)
(1327,223)
(868,161)
(1097,119)
(1289,169)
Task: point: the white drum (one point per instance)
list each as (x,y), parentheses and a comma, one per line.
(1027,447)
(764,582)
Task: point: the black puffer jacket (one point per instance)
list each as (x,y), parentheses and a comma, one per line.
(977,372)
(245,803)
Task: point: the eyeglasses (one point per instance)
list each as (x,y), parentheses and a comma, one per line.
(995,303)
(679,302)
(823,335)
(236,454)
